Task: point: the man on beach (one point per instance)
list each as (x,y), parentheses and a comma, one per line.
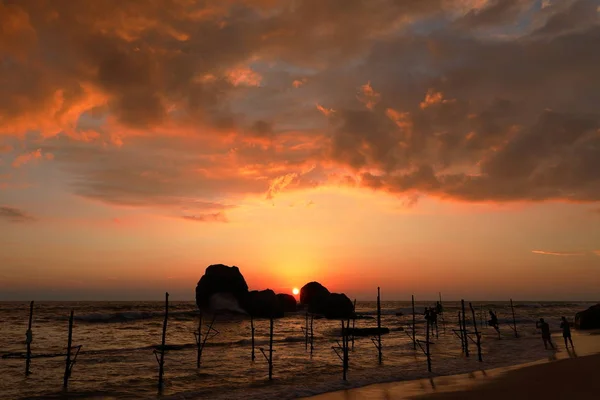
(546,337)
(566,332)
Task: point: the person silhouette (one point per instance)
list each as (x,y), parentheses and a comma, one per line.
(566,331)
(546,336)
(493,322)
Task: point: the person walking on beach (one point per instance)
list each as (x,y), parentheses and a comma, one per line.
(546,337)
(566,329)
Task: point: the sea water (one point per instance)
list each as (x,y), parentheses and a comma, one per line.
(118,339)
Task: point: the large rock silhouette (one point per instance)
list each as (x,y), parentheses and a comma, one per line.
(588,319)
(287,302)
(320,301)
(263,304)
(224,289)
(221,282)
(314,295)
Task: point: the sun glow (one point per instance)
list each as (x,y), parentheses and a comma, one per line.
(295,291)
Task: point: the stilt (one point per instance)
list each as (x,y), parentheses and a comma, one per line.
(353,323)
(29,339)
(442,314)
(199,342)
(481,324)
(514,319)
(271,349)
(252,329)
(161,361)
(461,332)
(68,361)
(306,332)
(464,323)
(312,319)
(428,354)
(210,333)
(379,325)
(477,334)
(413,324)
(269,358)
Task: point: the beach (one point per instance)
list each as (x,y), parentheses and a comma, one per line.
(563,374)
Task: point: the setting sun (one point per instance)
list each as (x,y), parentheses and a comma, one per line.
(295,291)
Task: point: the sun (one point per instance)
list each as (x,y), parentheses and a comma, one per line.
(295,291)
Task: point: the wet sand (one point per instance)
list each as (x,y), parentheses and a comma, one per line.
(563,375)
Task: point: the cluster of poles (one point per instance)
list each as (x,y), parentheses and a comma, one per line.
(342,349)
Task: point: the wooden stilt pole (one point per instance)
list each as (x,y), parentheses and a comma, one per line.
(344,350)
(464,322)
(161,362)
(306,333)
(199,342)
(312,319)
(252,329)
(413,324)
(514,319)
(68,360)
(477,334)
(271,349)
(461,331)
(353,323)
(29,339)
(379,325)
(442,314)
(427,348)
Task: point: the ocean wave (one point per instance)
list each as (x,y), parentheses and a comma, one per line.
(127,316)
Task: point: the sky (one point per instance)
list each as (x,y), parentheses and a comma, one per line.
(420,146)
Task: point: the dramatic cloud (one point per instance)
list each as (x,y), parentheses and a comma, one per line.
(178,104)
(12,214)
(558,253)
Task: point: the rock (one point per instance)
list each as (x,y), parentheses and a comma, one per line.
(220,279)
(263,304)
(588,319)
(314,295)
(338,306)
(287,302)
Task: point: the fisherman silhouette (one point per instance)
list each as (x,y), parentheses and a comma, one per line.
(566,331)
(438,308)
(493,322)
(546,337)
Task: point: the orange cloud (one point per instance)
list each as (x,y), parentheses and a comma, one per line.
(28,157)
(558,253)
(326,111)
(368,96)
(244,76)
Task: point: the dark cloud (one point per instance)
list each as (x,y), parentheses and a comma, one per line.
(192,105)
(13,214)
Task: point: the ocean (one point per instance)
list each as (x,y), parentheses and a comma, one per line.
(117,356)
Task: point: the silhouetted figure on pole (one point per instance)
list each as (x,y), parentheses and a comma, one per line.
(566,330)
(546,337)
(493,322)
(438,308)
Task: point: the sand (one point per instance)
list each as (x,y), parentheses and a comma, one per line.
(563,375)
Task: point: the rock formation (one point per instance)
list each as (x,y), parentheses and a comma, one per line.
(588,319)
(287,302)
(221,281)
(314,295)
(263,304)
(320,301)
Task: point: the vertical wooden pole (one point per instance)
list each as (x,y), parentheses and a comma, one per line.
(462,303)
(514,319)
(306,333)
(161,363)
(312,319)
(29,339)
(443,320)
(271,349)
(413,324)
(481,317)
(477,335)
(252,329)
(461,330)
(353,323)
(344,350)
(379,325)
(199,342)
(68,361)
(427,348)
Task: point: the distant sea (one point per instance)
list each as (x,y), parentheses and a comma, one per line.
(117,360)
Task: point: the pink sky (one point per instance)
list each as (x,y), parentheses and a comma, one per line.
(418,146)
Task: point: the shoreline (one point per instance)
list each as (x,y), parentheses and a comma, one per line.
(558,372)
